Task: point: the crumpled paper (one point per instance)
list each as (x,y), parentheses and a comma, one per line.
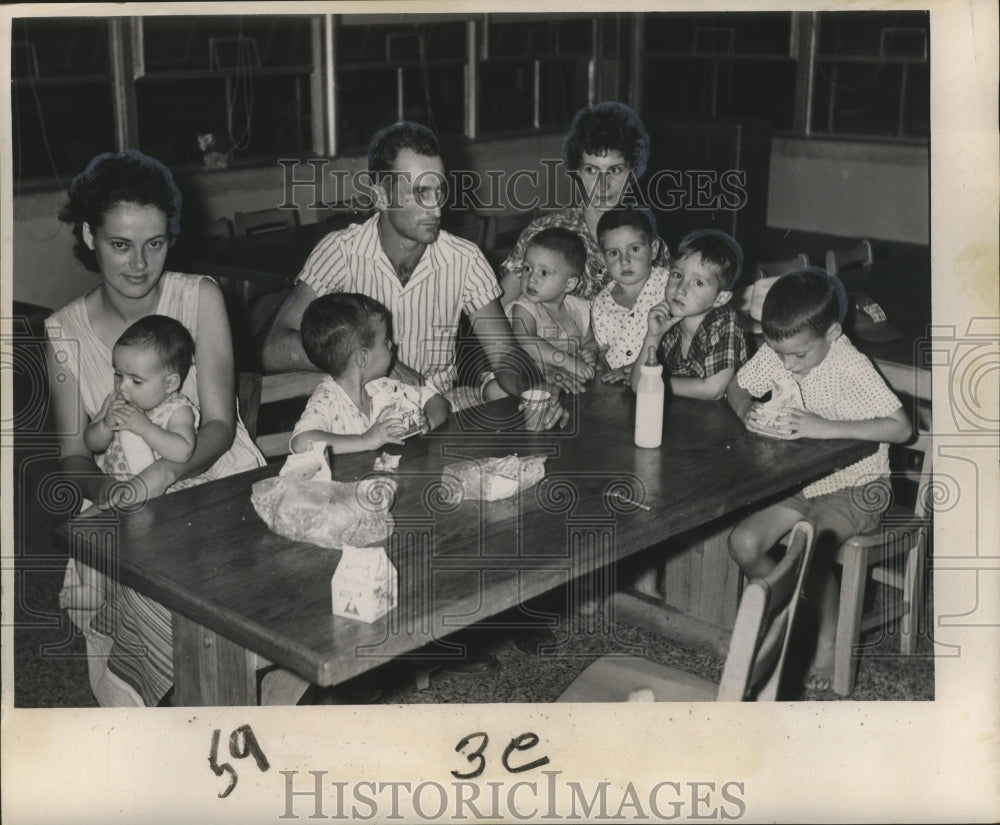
(310,465)
(327,513)
(490,479)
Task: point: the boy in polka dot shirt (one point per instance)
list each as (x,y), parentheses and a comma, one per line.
(842,396)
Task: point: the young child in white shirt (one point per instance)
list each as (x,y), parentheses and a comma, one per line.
(356,407)
(619,311)
(842,396)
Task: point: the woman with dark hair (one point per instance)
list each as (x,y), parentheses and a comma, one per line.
(125,212)
(606,147)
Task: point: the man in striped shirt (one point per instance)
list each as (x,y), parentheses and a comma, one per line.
(425,276)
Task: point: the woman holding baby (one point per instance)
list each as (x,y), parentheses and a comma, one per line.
(125,212)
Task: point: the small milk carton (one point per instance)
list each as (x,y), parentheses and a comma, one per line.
(364,585)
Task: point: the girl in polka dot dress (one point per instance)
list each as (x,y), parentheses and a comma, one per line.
(618,313)
(842,397)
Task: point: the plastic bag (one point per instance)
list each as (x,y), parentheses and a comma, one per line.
(327,513)
(491,479)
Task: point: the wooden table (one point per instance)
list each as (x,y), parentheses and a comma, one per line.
(235,587)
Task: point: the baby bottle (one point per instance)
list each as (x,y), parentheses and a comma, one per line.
(649,403)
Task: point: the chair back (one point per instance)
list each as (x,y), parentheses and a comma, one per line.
(265,220)
(846,257)
(773,269)
(759,643)
(255,391)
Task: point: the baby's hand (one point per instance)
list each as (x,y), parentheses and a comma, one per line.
(660,321)
(589,356)
(103,412)
(617,376)
(387,429)
(126,416)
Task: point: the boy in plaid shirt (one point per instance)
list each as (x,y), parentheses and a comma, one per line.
(697,336)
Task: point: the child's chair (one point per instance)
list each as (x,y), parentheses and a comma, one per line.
(255,390)
(895,554)
(757,648)
(265,220)
(846,257)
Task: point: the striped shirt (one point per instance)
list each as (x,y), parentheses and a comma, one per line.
(844,386)
(451,277)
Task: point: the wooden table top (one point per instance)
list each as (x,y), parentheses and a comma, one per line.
(206,554)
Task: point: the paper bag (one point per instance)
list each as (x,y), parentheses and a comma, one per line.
(364,585)
(327,513)
(785,393)
(491,479)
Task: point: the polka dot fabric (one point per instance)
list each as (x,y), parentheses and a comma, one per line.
(843,387)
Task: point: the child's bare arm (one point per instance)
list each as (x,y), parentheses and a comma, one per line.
(97,436)
(385,430)
(549,353)
(739,399)
(894,428)
(436,411)
(711,388)
(175,442)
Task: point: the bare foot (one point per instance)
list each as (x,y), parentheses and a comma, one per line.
(820,676)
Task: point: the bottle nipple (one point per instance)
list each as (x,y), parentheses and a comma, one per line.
(651,357)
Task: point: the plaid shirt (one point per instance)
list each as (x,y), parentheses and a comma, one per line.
(595,273)
(718,344)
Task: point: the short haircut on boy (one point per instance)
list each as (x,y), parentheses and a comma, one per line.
(803,300)
(718,249)
(564,242)
(168,337)
(641,220)
(337,325)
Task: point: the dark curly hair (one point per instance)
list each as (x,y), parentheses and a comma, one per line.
(607,127)
(111,179)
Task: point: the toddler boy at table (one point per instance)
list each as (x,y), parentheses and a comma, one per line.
(356,407)
(619,311)
(549,323)
(144,418)
(695,332)
(842,396)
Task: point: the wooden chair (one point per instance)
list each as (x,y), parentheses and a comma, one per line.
(218,231)
(894,554)
(255,391)
(848,257)
(772,269)
(769,269)
(499,233)
(756,655)
(265,220)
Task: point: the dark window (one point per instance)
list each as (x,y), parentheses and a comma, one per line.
(872,75)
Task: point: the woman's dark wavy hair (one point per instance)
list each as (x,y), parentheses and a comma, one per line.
(803,300)
(111,179)
(607,127)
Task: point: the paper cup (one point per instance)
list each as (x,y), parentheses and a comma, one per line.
(536,402)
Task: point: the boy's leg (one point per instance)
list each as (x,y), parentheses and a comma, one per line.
(836,519)
(754,536)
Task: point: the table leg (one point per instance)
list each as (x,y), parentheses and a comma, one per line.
(210,670)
